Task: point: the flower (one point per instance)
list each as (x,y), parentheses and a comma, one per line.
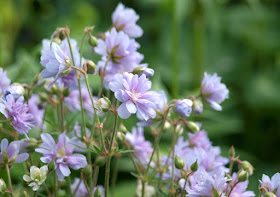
(124,19)
(37,110)
(119,54)
(183,107)
(3,186)
(213,91)
(148,192)
(37,177)
(4,82)
(12,152)
(82,190)
(240,188)
(15,89)
(143,149)
(132,91)
(57,59)
(272,184)
(17,111)
(62,154)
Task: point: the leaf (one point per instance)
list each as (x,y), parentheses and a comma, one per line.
(122,151)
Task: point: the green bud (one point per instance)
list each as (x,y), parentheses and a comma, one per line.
(138,70)
(88,171)
(100,161)
(3,186)
(228,177)
(179,129)
(166,125)
(68,62)
(51,165)
(5,157)
(97,192)
(122,128)
(197,106)
(92,40)
(194,166)
(54,89)
(120,137)
(67,71)
(231,152)
(103,104)
(179,163)
(66,92)
(91,67)
(57,40)
(247,166)
(242,175)
(13,160)
(269,194)
(193,127)
(43,96)
(215,192)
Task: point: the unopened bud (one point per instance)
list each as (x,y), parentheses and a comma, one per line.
(56,40)
(138,70)
(90,67)
(51,165)
(120,137)
(269,194)
(88,171)
(193,127)
(100,161)
(5,157)
(179,163)
(197,106)
(215,192)
(104,104)
(97,192)
(179,130)
(92,40)
(122,128)
(67,71)
(3,186)
(242,175)
(43,96)
(66,92)
(68,62)
(194,166)
(247,166)
(166,125)
(228,177)
(231,152)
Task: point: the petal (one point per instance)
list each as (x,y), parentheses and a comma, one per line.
(27,178)
(4,144)
(215,106)
(64,169)
(48,139)
(123,112)
(22,157)
(130,106)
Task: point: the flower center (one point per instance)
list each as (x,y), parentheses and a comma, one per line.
(137,95)
(61,152)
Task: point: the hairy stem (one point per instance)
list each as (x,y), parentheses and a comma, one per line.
(9,179)
(173,159)
(115,175)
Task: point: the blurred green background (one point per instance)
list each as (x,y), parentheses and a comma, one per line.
(238,39)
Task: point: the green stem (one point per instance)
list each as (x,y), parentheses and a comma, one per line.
(134,163)
(175,50)
(77,187)
(231,189)
(35,194)
(260,193)
(9,179)
(173,158)
(185,184)
(47,190)
(90,177)
(69,185)
(115,175)
(61,116)
(55,188)
(231,166)
(143,189)
(102,77)
(95,175)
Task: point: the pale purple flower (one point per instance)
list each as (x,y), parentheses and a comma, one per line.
(62,154)
(133,92)
(272,184)
(240,189)
(17,111)
(149,72)
(213,91)
(37,109)
(82,190)
(125,19)
(12,151)
(183,107)
(4,82)
(15,89)
(76,132)
(143,148)
(68,81)
(200,139)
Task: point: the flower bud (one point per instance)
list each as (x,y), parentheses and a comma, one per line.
(215,192)
(5,157)
(66,92)
(56,40)
(3,186)
(245,165)
(194,166)
(100,161)
(148,72)
(179,163)
(197,106)
(122,128)
(228,177)
(51,165)
(231,152)
(120,137)
(103,104)
(166,125)
(43,96)
(97,192)
(92,40)
(242,175)
(179,130)
(90,67)
(88,171)
(269,194)
(67,71)
(193,127)
(138,70)
(68,62)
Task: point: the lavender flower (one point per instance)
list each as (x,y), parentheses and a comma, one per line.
(124,19)
(15,89)
(143,149)
(4,82)
(213,91)
(183,107)
(82,190)
(62,154)
(133,92)
(12,151)
(200,139)
(272,184)
(17,111)
(240,188)
(37,110)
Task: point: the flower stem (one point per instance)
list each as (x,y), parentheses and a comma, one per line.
(95,175)
(55,188)
(69,185)
(61,116)
(9,179)
(90,177)
(173,159)
(143,189)
(115,175)
(102,77)
(185,184)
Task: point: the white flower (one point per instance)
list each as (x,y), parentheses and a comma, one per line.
(149,190)
(37,177)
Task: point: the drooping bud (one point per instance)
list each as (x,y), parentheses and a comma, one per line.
(56,40)
(215,192)
(90,67)
(242,175)
(100,161)
(179,163)
(97,192)
(193,127)
(92,40)
(269,194)
(88,171)
(179,130)
(68,62)
(5,157)
(32,143)
(43,96)
(231,152)
(166,125)
(120,137)
(138,70)
(247,166)
(122,128)
(197,106)
(194,166)
(3,186)
(103,104)
(51,165)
